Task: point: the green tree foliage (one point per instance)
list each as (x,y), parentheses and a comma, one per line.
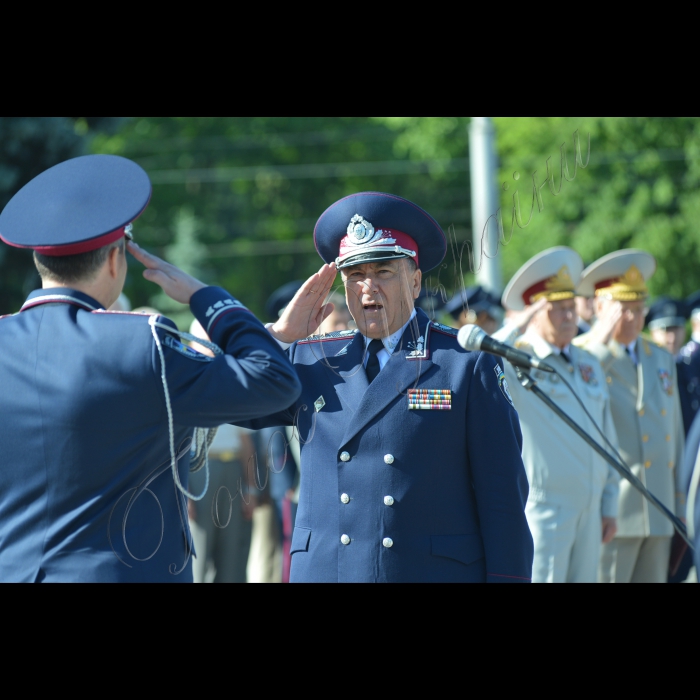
(639,190)
(255,186)
(236,199)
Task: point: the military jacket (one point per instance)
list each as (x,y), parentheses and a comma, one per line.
(688,367)
(647,416)
(414,477)
(562,469)
(86,487)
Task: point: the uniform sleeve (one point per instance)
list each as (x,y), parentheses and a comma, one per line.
(494,445)
(253,377)
(679,438)
(507,334)
(611,490)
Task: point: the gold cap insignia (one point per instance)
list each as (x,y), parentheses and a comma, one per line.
(630,287)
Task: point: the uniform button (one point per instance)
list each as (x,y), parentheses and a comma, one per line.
(345,539)
(389,459)
(645,438)
(608,380)
(344,456)
(670,465)
(641,411)
(345,498)
(663,411)
(647,464)
(668,438)
(388,501)
(388,542)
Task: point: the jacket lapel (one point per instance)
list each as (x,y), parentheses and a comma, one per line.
(352,372)
(623,367)
(408,363)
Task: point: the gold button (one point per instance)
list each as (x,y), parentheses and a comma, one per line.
(647,464)
(645,438)
(641,411)
(608,380)
(663,411)
(668,438)
(670,465)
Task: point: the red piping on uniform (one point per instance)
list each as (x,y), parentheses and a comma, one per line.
(228,311)
(73,248)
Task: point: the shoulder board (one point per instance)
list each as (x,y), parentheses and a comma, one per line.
(649,345)
(580,341)
(520,343)
(447,330)
(336,335)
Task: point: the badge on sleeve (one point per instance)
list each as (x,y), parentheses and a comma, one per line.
(503,384)
(185,350)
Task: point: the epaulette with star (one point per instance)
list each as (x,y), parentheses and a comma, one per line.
(447,330)
(335,335)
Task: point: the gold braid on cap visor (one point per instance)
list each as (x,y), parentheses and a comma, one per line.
(630,287)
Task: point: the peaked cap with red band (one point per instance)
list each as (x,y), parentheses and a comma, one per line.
(76,206)
(373,226)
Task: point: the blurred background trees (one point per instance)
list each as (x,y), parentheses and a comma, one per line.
(235,199)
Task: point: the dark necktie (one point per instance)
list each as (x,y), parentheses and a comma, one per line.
(373,361)
(565,357)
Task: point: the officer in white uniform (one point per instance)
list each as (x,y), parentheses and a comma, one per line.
(641,378)
(573,496)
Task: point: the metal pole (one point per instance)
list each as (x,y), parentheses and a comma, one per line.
(484,190)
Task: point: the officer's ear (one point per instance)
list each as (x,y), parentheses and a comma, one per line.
(114,259)
(415,276)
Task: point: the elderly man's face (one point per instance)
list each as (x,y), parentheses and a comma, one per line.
(556,323)
(630,325)
(381,295)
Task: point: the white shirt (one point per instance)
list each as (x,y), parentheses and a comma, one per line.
(389,343)
(383,356)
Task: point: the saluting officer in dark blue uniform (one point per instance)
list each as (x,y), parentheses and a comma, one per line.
(410,446)
(98,408)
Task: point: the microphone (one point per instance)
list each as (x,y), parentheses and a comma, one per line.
(474,338)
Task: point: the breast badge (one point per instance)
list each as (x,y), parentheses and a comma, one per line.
(430,399)
(666,382)
(587,374)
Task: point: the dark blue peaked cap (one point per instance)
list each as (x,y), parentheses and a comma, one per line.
(666,312)
(372,226)
(281,297)
(475,298)
(76,206)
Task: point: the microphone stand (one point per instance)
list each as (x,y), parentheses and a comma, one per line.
(531,385)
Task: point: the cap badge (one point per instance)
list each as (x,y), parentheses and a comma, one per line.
(360,231)
(561,282)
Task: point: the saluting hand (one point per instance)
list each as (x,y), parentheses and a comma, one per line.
(178,285)
(307,311)
(521,319)
(605,324)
